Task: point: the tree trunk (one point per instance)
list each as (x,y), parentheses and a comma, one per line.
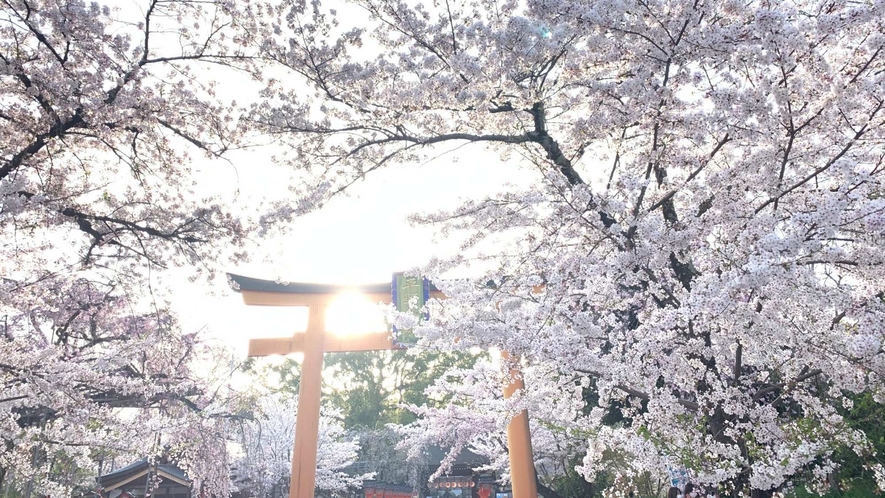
(833,483)
(544,490)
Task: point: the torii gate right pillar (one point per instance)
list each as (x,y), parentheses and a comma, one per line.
(519,440)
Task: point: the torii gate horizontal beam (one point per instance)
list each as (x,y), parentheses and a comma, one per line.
(315,297)
(258,292)
(250,284)
(373,341)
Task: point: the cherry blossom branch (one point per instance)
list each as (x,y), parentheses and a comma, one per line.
(540,136)
(198,143)
(691,405)
(804,375)
(668,197)
(56,131)
(37,34)
(826,166)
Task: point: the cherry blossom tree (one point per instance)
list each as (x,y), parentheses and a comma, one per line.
(114,388)
(706,220)
(267,441)
(102,118)
(475,418)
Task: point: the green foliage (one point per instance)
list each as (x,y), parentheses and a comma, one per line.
(370,388)
(853,477)
(284,378)
(573,485)
(865,415)
(856,489)
(379,449)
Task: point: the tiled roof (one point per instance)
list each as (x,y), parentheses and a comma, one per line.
(140,466)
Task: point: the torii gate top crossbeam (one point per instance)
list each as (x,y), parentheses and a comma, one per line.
(259,292)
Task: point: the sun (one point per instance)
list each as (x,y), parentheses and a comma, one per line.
(352,313)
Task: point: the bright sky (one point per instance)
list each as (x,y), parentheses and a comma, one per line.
(359,239)
(362,238)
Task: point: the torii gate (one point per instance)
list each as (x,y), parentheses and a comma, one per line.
(314,342)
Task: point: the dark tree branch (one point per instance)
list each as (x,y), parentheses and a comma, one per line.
(866,65)
(544,490)
(736,370)
(691,405)
(805,374)
(540,136)
(57,131)
(187,137)
(39,35)
(825,167)
(685,272)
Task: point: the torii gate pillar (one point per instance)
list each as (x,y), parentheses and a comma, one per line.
(523,483)
(314,343)
(303,479)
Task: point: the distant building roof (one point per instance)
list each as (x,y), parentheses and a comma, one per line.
(139,468)
(433,457)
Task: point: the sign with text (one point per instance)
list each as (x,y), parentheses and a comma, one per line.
(410,294)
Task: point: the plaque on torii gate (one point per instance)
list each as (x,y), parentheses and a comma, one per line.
(314,342)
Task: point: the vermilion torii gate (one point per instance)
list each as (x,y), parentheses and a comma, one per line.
(314,342)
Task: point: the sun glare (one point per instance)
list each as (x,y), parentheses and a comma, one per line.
(353,313)
(275,321)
